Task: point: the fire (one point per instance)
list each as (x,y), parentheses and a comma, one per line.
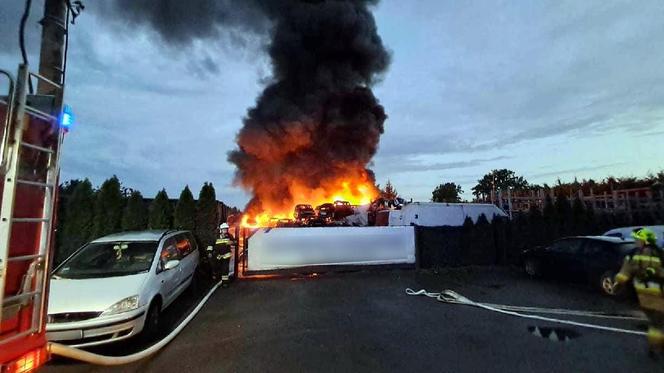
(359,191)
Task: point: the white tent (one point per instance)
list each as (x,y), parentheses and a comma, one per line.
(431,214)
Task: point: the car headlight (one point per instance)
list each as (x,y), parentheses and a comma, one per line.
(127,304)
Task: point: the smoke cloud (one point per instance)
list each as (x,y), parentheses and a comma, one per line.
(317,123)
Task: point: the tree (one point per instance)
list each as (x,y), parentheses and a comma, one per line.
(389,192)
(65,191)
(563,209)
(531,227)
(549,210)
(548,227)
(483,250)
(135,216)
(466,242)
(579,217)
(206,215)
(534,215)
(447,192)
(563,216)
(498,179)
(161,211)
(185,211)
(77,228)
(108,208)
(482,220)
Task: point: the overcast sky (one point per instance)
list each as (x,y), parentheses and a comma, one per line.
(550,89)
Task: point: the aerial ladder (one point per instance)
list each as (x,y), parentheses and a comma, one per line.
(29,160)
(33,128)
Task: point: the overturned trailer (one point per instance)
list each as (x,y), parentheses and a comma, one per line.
(279,249)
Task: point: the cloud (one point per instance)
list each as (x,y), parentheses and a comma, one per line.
(399,164)
(10,17)
(520,72)
(576,170)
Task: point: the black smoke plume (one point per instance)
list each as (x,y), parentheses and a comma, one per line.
(318,121)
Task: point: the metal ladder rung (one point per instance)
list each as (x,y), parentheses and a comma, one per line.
(35,183)
(18,336)
(31,294)
(30,220)
(36,147)
(23,258)
(41,114)
(47,80)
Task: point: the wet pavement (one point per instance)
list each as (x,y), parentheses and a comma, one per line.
(364,321)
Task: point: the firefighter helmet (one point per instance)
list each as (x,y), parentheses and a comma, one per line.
(224,226)
(646,235)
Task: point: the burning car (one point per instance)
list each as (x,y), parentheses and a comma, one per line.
(325,212)
(303,213)
(342,209)
(285,223)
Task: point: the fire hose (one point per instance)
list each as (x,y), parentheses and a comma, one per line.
(451,297)
(89,357)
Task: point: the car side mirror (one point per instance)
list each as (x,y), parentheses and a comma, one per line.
(171,264)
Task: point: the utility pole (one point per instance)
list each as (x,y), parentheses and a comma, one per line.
(52,51)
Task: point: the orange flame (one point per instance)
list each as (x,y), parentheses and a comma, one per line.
(357,192)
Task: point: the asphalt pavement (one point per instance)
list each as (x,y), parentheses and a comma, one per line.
(364,321)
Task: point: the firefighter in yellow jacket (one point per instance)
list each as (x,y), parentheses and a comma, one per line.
(644,267)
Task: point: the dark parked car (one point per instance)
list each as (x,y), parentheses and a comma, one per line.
(594,259)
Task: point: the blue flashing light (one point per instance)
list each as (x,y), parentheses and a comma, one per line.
(67,117)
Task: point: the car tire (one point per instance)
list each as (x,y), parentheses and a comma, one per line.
(151,325)
(532,267)
(606,282)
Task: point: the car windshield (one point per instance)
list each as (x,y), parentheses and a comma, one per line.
(108,259)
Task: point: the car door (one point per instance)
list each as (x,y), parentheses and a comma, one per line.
(574,258)
(596,255)
(168,279)
(566,259)
(188,259)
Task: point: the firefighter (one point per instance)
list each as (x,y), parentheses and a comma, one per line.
(644,267)
(218,256)
(224,248)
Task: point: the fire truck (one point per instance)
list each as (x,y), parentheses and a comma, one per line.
(33,128)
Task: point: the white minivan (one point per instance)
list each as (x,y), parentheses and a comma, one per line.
(116,286)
